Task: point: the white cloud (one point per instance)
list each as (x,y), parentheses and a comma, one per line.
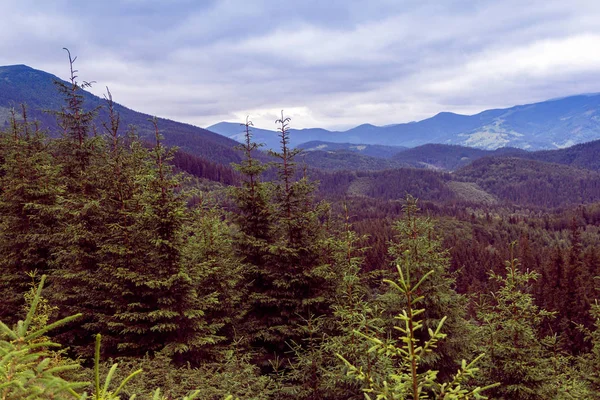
(331,64)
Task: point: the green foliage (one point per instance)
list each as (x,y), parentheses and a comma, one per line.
(415,248)
(218,277)
(510,327)
(28,368)
(316,371)
(159,306)
(284,242)
(30,190)
(590,362)
(407,380)
(255,294)
(119,256)
(232,374)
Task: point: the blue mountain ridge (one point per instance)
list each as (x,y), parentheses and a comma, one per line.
(550,124)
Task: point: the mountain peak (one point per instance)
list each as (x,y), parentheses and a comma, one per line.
(19,69)
(15,67)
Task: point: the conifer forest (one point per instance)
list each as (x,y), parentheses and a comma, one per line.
(130,269)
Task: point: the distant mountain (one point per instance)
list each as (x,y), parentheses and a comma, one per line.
(451,157)
(22,84)
(551,124)
(270,138)
(443,157)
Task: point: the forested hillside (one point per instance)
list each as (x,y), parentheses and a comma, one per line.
(532,183)
(283,282)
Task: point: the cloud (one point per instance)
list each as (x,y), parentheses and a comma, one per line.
(331,64)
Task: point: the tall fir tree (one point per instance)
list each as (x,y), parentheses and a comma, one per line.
(79,281)
(159,307)
(286,244)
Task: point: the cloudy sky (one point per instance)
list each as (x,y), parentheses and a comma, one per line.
(328,63)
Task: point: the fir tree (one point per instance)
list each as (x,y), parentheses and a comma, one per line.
(415,247)
(407,379)
(30,188)
(159,308)
(316,371)
(510,328)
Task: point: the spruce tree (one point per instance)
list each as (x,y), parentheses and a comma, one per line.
(415,247)
(120,257)
(253,206)
(407,377)
(284,242)
(30,187)
(158,306)
(76,279)
(76,123)
(510,323)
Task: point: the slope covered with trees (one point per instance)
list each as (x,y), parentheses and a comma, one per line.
(264,290)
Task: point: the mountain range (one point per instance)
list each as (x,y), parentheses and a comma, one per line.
(551,124)
(487,173)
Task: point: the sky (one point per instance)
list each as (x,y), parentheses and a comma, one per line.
(332,64)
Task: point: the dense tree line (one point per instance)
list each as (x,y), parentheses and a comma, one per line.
(274,292)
